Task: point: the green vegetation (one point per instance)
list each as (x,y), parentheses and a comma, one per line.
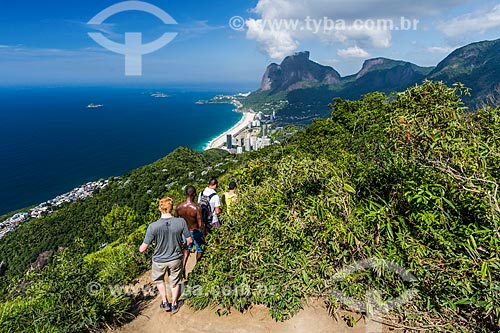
(56,298)
(120,222)
(412,179)
(475,65)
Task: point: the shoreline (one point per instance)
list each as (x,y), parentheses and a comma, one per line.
(203,146)
(218,142)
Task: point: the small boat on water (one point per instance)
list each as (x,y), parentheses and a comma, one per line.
(159,95)
(94,106)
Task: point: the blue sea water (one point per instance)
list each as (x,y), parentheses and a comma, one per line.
(50,142)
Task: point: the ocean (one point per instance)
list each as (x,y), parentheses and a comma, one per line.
(50,142)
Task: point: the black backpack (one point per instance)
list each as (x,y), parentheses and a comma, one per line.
(206,209)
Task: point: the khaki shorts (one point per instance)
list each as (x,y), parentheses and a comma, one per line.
(172,268)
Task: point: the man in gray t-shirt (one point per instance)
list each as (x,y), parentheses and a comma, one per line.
(167,234)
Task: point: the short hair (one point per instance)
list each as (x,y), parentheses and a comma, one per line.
(232,185)
(166,205)
(213,181)
(190,191)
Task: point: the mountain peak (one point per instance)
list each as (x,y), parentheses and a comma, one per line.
(369,65)
(297,71)
(476,66)
(380,64)
(468,57)
(303,55)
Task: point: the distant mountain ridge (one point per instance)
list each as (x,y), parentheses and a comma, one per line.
(300,89)
(298,72)
(382,74)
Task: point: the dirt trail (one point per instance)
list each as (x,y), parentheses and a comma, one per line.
(314,318)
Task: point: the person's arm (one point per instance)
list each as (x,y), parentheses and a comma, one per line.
(217,205)
(223,199)
(201,225)
(147,240)
(187,234)
(143,247)
(176,214)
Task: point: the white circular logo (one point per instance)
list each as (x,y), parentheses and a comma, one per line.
(133,49)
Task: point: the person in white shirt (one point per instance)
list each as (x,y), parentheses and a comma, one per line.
(214,203)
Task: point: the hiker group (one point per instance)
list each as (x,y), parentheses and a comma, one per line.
(174,236)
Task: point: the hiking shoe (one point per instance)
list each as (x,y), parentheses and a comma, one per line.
(165,306)
(175,308)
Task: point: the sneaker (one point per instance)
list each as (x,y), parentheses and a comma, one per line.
(165,306)
(175,308)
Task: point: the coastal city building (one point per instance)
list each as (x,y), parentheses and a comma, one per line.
(247,143)
(253,142)
(47,207)
(250,133)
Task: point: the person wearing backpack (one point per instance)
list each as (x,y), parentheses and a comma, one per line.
(209,203)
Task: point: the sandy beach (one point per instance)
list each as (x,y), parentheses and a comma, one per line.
(219,141)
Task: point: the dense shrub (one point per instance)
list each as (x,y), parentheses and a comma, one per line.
(57,299)
(410,179)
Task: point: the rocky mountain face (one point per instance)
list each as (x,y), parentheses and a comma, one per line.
(381,74)
(297,72)
(476,65)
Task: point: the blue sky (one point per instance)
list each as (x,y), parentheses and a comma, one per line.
(46,42)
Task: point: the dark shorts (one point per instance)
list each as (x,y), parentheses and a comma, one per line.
(198,240)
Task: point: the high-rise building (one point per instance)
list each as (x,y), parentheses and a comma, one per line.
(253,142)
(265,142)
(247,143)
(256,123)
(229,141)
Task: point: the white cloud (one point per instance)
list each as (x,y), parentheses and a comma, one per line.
(353,52)
(18,51)
(277,38)
(366,37)
(11,47)
(359,9)
(198,27)
(439,49)
(276,43)
(479,21)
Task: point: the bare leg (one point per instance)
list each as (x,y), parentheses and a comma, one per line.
(198,256)
(184,262)
(162,290)
(175,294)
